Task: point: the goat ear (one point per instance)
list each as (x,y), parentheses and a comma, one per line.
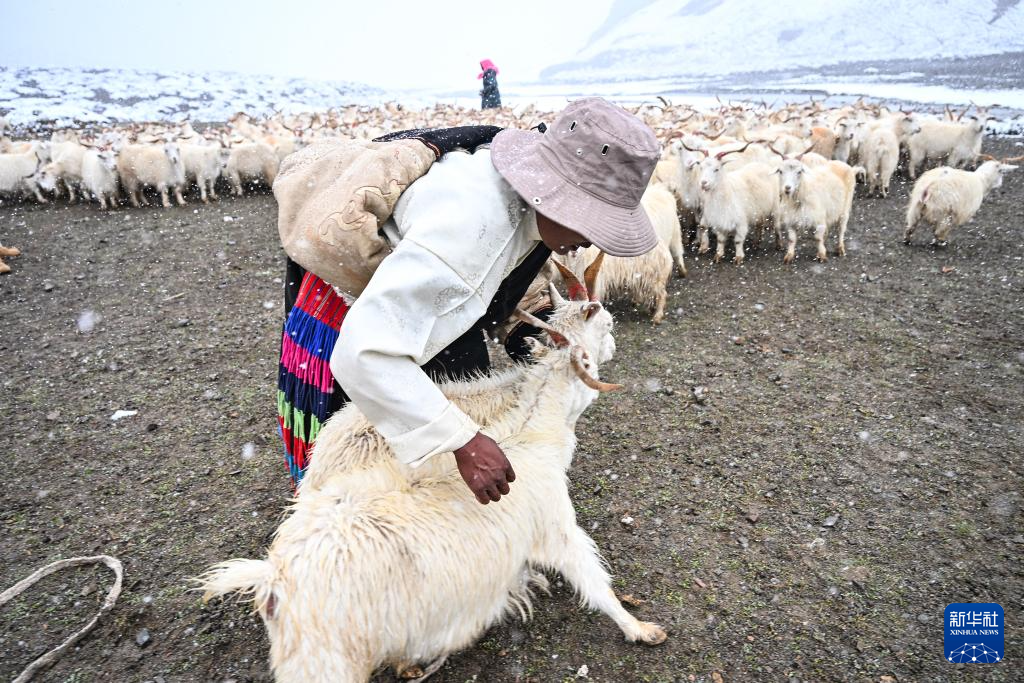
(590,309)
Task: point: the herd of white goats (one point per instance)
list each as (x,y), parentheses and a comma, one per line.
(374,564)
(732,170)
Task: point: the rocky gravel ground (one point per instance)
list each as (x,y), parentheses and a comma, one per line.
(808,464)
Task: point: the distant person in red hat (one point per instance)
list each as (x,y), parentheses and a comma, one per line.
(490,98)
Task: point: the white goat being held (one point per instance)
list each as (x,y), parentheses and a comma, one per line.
(374,564)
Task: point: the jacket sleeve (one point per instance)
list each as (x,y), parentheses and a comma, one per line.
(414,306)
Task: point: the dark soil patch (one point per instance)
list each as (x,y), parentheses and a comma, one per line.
(854,467)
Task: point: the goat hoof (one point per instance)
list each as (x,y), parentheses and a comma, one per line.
(415,674)
(738,260)
(787,259)
(410,672)
(651,634)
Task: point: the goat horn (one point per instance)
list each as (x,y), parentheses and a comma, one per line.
(987,157)
(530,319)
(590,276)
(732,151)
(1009,159)
(801,154)
(702,151)
(577,290)
(586,377)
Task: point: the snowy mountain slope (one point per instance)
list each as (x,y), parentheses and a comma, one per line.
(664,38)
(131,95)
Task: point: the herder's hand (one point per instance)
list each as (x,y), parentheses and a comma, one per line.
(485,468)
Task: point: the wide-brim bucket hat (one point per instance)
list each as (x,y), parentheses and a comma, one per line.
(587,172)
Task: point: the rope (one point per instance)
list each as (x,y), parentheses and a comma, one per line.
(50,657)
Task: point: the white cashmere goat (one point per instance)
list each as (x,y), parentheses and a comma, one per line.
(958,143)
(947,198)
(816,197)
(99,176)
(19,174)
(251,161)
(643,279)
(374,564)
(879,154)
(686,185)
(735,199)
(202,166)
(64,167)
(158,166)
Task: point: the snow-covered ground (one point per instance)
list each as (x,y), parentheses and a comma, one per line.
(69,95)
(673,38)
(96,95)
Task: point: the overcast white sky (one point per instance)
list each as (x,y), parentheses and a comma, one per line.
(384,43)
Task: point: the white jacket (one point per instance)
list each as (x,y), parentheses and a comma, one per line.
(460,230)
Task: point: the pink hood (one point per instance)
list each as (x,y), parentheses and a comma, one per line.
(486,64)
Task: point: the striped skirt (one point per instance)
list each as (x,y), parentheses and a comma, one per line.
(306,391)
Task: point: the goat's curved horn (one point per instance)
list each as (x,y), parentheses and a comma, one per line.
(1009,159)
(586,377)
(577,290)
(732,151)
(702,151)
(801,154)
(720,133)
(556,297)
(530,319)
(987,157)
(590,276)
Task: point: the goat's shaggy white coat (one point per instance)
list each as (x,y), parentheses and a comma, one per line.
(816,197)
(947,198)
(19,173)
(159,166)
(735,200)
(379,564)
(251,161)
(99,176)
(880,152)
(202,166)
(643,279)
(957,143)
